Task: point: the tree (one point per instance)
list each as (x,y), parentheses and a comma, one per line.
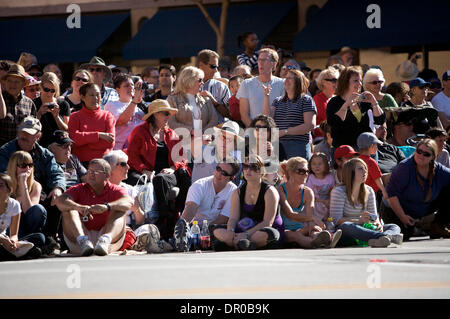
(219,30)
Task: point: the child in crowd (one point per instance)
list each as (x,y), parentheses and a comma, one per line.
(368,145)
(327,142)
(321,181)
(233,102)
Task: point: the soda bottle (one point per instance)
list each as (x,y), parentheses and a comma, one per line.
(330,225)
(368,226)
(205,237)
(195,232)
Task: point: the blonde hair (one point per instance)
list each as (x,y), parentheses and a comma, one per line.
(370,74)
(53,79)
(26,60)
(432,146)
(348,177)
(330,71)
(291,164)
(187,77)
(19,158)
(271,52)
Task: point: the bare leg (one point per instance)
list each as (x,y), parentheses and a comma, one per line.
(72,225)
(115,226)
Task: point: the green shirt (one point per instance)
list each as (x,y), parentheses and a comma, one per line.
(387,101)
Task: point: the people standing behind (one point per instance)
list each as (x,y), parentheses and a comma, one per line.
(92,129)
(326,143)
(79,78)
(418,93)
(348,111)
(101,75)
(13,245)
(235,115)
(321,181)
(297,204)
(242,70)
(14,105)
(373,82)
(150,75)
(195,112)
(167,78)
(290,64)
(125,110)
(353,203)
(250,56)
(419,187)
(294,114)
(103,206)
(399,91)
(326,82)
(52,112)
(441,101)
(255,221)
(251,93)
(343,154)
(440,137)
(217,91)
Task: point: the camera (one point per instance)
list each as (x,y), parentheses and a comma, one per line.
(147,86)
(51,106)
(361,98)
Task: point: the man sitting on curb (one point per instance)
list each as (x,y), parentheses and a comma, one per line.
(209,199)
(94,212)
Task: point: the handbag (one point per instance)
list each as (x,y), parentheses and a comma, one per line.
(147,199)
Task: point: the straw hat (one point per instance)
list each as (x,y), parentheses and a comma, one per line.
(98,62)
(18,71)
(159,105)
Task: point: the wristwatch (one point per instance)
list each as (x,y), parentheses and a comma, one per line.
(286,132)
(108,206)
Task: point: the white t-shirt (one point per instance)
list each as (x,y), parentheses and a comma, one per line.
(441,102)
(12,210)
(123,131)
(210,204)
(132,192)
(252,90)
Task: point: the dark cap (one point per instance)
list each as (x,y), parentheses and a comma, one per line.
(61,137)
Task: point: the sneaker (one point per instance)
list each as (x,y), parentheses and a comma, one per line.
(245,244)
(87,248)
(101,248)
(23,247)
(153,238)
(335,238)
(181,235)
(382,241)
(33,253)
(396,239)
(50,246)
(141,242)
(323,239)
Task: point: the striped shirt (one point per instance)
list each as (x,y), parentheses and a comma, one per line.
(221,93)
(290,114)
(341,207)
(252,61)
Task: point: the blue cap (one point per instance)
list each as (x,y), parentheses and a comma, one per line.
(418,82)
(446,75)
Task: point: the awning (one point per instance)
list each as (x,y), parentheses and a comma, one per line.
(403,23)
(183,32)
(52,41)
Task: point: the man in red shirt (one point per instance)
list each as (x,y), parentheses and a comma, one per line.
(94,212)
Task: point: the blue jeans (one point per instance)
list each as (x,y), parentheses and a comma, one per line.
(33,221)
(295,148)
(352,231)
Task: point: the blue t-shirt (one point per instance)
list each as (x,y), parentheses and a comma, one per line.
(403,184)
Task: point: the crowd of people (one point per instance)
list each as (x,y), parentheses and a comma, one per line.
(267,155)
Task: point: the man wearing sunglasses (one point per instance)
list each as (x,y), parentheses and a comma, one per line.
(217,91)
(208,199)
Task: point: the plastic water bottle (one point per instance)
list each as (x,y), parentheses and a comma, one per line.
(330,225)
(368,226)
(195,232)
(205,237)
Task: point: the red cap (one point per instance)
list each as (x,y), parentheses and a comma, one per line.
(344,151)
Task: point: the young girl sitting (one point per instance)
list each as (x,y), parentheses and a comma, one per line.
(321,181)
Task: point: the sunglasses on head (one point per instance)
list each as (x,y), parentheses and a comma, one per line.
(78,79)
(301,171)
(331,80)
(48,90)
(222,171)
(25,165)
(376,82)
(253,167)
(95,69)
(423,153)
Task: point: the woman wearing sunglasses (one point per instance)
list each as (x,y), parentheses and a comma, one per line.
(52,112)
(352,204)
(125,110)
(326,82)
(297,208)
(418,91)
(255,221)
(27,191)
(79,78)
(419,186)
(373,82)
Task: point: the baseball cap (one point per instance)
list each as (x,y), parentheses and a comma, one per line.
(61,137)
(418,82)
(31,125)
(344,151)
(365,140)
(446,75)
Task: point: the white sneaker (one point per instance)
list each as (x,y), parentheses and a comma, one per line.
(101,248)
(382,241)
(87,248)
(335,238)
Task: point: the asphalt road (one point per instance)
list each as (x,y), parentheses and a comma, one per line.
(416,269)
